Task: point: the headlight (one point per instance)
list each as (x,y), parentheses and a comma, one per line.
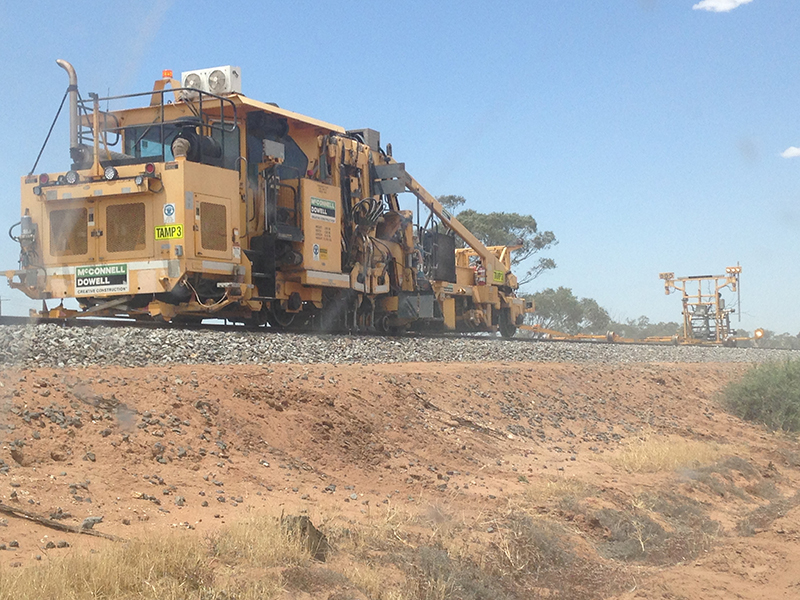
(138,180)
(72,177)
(110,173)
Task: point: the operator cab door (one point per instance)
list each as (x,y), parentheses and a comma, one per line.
(213,227)
(127,230)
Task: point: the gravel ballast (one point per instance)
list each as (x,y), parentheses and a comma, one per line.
(55,346)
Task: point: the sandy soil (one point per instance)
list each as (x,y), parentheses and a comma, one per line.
(159,448)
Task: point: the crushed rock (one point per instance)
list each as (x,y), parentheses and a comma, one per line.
(53,346)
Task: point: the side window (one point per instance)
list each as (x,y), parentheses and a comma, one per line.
(228,142)
(69,232)
(265,126)
(295,162)
(213,226)
(145,142)
(125,227)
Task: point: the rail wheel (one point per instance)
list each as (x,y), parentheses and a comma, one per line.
(506,324)
(278,317)
(383,323)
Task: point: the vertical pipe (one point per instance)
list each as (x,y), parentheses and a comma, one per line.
(98,170)
(73,106)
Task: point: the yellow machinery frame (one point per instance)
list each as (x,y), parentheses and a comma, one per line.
(706,319)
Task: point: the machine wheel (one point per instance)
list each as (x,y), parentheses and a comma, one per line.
(382,323)
(506,324)
(278,317)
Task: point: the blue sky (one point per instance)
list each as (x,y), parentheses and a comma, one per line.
(647,134)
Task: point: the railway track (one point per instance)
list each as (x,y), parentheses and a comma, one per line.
(111,322)
(227,327)
(222,327)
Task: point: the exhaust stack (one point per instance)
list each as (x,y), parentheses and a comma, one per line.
(79,153)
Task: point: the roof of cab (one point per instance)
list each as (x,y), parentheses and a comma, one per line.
(249,102)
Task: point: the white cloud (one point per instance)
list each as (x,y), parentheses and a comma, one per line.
(791,152)
(719,5)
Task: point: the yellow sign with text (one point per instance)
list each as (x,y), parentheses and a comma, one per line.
(499,277)
(169,232)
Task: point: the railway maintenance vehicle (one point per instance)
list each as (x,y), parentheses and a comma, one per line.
(199,202)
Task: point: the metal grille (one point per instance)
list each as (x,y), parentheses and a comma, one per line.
(126,227)
(69,232)
(213,227)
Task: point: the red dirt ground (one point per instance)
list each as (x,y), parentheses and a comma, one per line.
(133,441)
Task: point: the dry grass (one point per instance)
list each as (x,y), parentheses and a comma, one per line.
(654,454)
(555,490)
(377,582)
(663,528)
(426,552)
(258,541)
(178,567)
(159,568)
(539,557)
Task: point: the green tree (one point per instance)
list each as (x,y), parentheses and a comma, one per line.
(450,202)
(562,311)
(642,327)
(785,341)
(595,318)
(507,229)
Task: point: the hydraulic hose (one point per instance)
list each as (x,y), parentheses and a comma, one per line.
(10,229)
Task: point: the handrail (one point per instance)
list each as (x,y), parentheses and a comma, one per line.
(160,122)
(161,93)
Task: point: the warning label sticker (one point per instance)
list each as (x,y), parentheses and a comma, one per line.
(499,277)
(323,210)
(169,232)
(101,279)
(169,213)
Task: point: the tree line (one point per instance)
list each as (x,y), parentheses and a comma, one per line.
(559,309)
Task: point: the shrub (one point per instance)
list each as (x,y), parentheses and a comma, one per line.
(661,529)
(763,516)
(436,575)
(768,394)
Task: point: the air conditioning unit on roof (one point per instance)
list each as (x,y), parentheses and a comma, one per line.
(217,80)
